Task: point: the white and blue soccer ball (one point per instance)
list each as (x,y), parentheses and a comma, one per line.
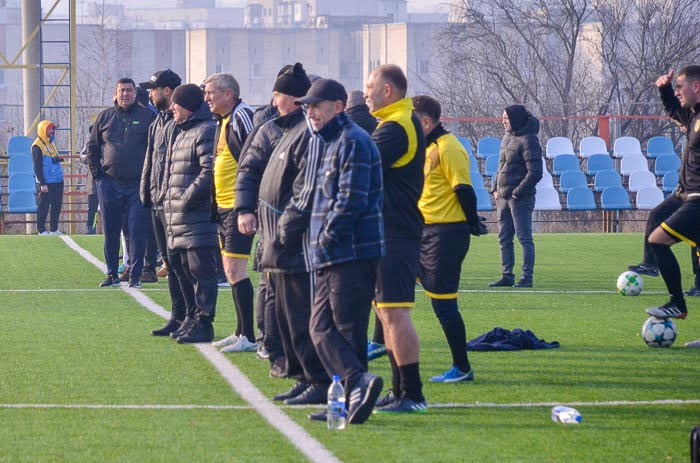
(659,333)
(630,284)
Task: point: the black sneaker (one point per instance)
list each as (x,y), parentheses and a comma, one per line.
(320,415)
(149,276)
(694,291)
(294,391)
(389,398)
(524,282)
(134,283)
(110,281)
(671,309)
(185,327)
(645,269)
(504,281)
(363,396)
(314,394)
(172,325)
(277,370)
(202,331)
(404,405)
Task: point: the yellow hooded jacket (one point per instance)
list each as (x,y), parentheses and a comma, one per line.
(47,163)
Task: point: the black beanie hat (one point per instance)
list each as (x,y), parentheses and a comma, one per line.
(517,115)
(292,80)
(189,96)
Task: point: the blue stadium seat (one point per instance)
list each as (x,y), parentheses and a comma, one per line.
(580,199)
(467,145)
(557,146)
(491,165)
(20,163)
(473,165)
(605,179)
(19,145)
(21,182)
(22,202)
(640,179)
(666,163)
(592,145)
(572,179)
(670,182)
(483,200)
(658,146)
(615,198)
(599,162)
(477,180)
(488,146)
(633,163)
(565,162)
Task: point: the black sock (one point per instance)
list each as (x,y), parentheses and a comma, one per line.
(453,327)
(411,386)
(243,295)
(395,374)
(670,271)
(378,336)
(237,332)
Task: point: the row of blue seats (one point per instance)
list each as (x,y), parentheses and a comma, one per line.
(600,162)
(557,146)
(609,178)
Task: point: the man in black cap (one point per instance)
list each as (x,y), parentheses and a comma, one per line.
(161,87)
(257,149)
(187,204)
(519,170)
(289,281)
(116,151)
(337,205)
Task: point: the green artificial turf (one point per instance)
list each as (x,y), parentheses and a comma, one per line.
(86,346)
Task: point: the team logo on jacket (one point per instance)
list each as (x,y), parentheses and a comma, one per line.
(282,154)
(697,125)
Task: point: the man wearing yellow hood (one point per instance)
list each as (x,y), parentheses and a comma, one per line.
(49,175)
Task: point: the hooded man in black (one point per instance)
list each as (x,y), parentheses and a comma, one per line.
(519,170)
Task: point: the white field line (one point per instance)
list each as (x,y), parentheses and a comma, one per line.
(297,435)
(608,403)
(502,291)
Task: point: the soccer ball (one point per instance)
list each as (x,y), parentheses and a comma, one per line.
(630,284)
(659,333)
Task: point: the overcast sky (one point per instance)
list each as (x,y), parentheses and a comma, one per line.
(413,5)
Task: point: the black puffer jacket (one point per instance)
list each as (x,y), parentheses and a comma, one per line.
(153,165)
(188,183)
(257,150)
(276,191)
(520,162)
(117,143)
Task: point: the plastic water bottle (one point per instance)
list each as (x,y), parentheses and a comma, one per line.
(566,415)
(335,414)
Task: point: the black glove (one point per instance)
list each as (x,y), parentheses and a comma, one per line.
(478,226)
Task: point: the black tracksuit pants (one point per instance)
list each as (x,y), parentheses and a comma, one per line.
(53,199)
(292,296)
(179,286)
(340,316)
(199,264)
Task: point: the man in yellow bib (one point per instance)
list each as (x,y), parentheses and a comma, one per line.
(401,145)
(234,123)
(448,205)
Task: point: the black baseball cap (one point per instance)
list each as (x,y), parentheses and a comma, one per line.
(166,78)
(324,89)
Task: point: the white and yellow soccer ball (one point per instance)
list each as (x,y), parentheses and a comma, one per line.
(659,333)
(630,284)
